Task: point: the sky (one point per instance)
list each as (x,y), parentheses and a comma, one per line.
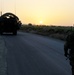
(45,12)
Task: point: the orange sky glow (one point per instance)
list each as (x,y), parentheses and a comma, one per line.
(47,12)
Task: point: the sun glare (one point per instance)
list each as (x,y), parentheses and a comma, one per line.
(41,22)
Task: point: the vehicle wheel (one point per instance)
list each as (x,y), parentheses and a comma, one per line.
(14,32)
(1,33)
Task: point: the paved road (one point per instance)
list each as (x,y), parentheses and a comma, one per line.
(3,52)
(30,54)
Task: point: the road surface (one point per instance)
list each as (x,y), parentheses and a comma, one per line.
(30,54)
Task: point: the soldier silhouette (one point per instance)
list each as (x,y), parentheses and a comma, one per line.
(69,49)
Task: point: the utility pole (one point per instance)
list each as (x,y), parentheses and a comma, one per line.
(15,7)
(1,8)
(1,13)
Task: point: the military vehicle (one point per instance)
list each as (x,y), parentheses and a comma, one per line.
(9,23)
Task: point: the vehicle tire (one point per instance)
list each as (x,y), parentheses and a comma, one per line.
(14,32)
(1,33)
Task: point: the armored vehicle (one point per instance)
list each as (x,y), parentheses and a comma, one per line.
(9,23)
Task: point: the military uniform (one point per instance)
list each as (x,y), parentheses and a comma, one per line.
(69,49)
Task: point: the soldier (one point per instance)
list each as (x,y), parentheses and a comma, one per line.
(69,49)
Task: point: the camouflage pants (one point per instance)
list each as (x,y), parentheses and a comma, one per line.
(72,63)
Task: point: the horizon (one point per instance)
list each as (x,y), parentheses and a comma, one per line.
(41,12)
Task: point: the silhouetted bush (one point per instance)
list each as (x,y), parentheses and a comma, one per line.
(30,24)
(53,31)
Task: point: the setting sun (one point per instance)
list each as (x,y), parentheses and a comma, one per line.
(47,12)
(41,22)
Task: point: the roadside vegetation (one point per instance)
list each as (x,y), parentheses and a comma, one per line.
(59,32)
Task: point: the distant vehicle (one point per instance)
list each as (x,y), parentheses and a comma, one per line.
(9,23)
